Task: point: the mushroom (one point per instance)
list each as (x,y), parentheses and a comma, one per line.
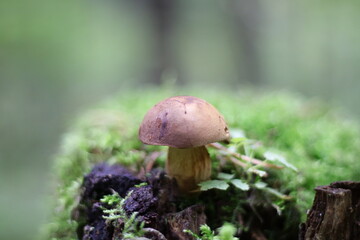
(185,124)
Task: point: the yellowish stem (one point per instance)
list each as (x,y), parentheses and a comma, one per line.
(189,166)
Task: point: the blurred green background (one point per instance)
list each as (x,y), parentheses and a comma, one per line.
(58,58)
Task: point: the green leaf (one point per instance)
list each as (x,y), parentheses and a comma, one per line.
(211,184)
(111,199)
(260,185)
(258,172)
(197,237)
(227,232)
(240,184)
(237,133)
(206,232)
(239,140)
(274,157)
(141,185)
(225,176)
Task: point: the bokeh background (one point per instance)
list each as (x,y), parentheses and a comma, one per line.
(58,58)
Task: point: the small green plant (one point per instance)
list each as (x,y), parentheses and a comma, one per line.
(226,232)
(224,181)
(143,184)
(132,227)
(252,164)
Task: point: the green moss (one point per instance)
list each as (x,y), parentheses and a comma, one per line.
(226,232)
(132,226)
(322,144)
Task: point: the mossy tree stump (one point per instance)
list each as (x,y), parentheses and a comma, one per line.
(108,134)
(335,213)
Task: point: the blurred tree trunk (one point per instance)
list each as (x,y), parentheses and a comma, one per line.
(246,15)
(163,16)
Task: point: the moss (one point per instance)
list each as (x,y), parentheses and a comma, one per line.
(321,143)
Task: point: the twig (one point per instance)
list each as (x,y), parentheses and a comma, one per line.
(152,231)
(150,160)
(237,161)
(243,157)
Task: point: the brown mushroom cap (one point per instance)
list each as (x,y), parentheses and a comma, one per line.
(183,122)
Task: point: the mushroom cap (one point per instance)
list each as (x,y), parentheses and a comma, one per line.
(183,122)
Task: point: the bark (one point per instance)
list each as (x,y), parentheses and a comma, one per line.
(191,219)
(335,213)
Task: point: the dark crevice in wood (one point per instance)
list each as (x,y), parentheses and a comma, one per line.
(335,213)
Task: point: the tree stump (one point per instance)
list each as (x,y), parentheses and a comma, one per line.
(335,214)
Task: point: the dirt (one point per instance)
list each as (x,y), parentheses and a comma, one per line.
(166,214)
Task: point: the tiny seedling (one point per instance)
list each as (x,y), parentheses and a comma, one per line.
(251,163)
(132,227)
(225,232)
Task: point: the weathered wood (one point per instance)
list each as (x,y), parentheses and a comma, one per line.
(191,219)
(335,214)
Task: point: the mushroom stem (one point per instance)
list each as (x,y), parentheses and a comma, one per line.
(189,166)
